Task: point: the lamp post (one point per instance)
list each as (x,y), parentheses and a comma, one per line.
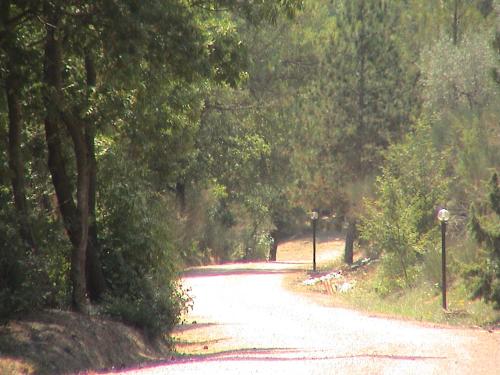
(443,216)
(314,219)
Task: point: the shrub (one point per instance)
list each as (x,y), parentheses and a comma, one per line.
(139,256)
(154,308)
(400,224)
(484,226)
(23,280)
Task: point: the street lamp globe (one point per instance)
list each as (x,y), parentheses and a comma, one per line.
(444,215)
(314,215)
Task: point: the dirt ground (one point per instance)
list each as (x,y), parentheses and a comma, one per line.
(328,248)
(244,321)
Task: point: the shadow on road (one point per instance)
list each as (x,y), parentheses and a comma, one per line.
(188,327)
(238,269)
(281,354)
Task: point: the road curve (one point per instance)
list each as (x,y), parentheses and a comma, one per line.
(245,322)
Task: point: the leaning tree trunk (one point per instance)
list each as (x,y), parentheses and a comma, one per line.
(79,253)
(349,241)
(75,217)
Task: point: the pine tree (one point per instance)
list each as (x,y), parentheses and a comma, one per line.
(368,95)
(484,226)
(368,100)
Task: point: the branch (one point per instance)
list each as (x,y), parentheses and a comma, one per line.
(46,23)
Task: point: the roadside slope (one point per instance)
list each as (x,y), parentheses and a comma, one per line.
(61,342)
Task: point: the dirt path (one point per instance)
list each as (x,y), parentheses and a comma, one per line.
(247,323)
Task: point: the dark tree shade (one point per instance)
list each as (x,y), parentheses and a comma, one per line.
(485,228)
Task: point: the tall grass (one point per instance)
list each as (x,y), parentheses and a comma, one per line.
(422,302)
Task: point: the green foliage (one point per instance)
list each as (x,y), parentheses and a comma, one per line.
(368,88)
(246,136)
(458,77)
(215,132)
(484,226)
(357,99)
(257,12)
(154,308)
(14,288)
(30,279)
(428,20)
(130,76)
(400,224)
(138,254)
(461,99)
(475,156)
(217,229)
(421,302)
(24,280)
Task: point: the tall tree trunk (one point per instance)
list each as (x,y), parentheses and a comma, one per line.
(180,193)
(95,278)
(351,236)
(16,163)
(75,217)
(79,255)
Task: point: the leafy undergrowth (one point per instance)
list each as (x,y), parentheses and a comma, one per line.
(61,342)
(423,302)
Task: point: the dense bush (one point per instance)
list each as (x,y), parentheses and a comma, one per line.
(218,228)
(154,308)
(484,226)
(30,280)
(139,256)
(400,225)
(17,286)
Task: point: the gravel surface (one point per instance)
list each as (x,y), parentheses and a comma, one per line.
(245,322)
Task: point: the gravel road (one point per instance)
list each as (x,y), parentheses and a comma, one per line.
(245,322)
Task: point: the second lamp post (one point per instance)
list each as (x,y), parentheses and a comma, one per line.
(314,219)
(443,216)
